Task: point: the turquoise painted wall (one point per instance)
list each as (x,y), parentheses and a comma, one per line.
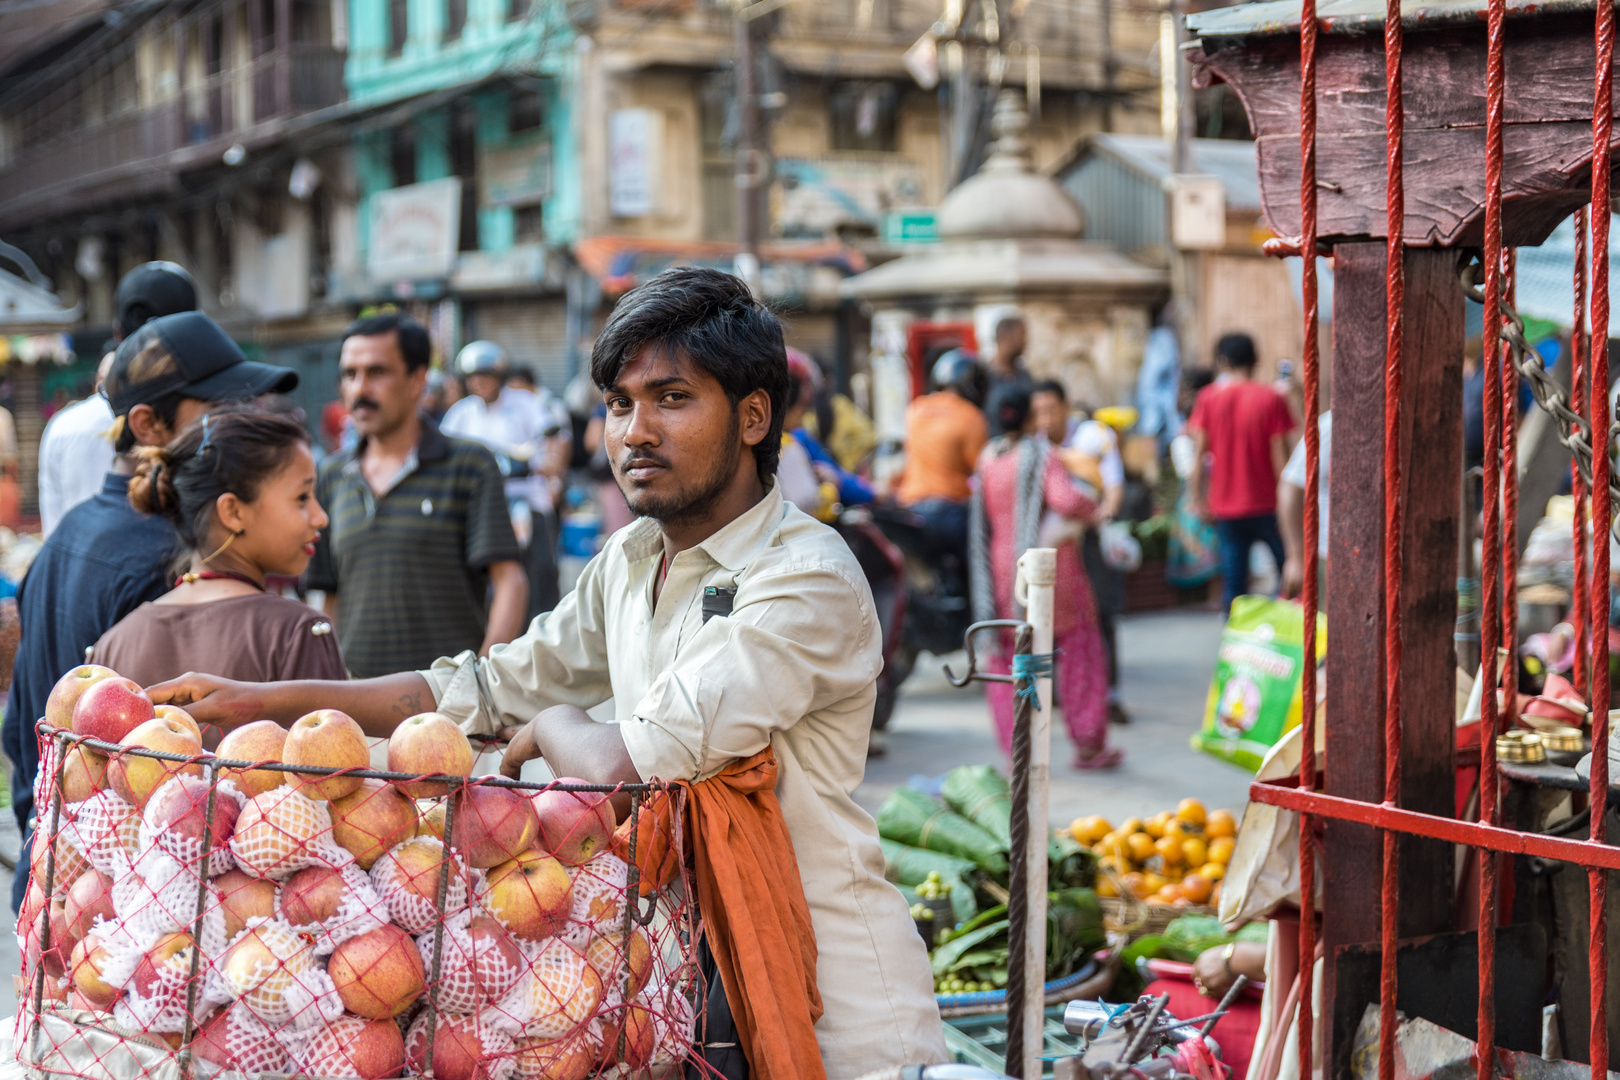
(538,47)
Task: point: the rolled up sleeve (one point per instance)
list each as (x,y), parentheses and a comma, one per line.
(561,660)
(797,640)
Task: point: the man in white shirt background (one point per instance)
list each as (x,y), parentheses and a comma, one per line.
(76,451)
(529,432)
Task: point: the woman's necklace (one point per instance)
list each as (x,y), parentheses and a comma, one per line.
(216,575)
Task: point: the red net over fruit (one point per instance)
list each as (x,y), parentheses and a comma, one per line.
(260,915)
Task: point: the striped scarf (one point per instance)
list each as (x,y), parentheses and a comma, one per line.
(1029,504)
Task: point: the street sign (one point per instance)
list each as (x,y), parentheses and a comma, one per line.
(910,227)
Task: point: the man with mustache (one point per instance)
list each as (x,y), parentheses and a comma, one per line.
(723,622)
(419,560)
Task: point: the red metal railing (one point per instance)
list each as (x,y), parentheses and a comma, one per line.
(1498,568)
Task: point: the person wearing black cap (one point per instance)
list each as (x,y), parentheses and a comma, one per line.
(74,452)
(105,558)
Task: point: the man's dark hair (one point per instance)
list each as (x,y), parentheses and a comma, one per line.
(1050,386)
(1236,350)
(1007,324)
(1009,407)
(710,318)
(412,336)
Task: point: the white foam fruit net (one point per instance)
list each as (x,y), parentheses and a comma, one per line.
(275,951)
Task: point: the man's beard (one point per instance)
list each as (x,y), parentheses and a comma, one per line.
(693,503)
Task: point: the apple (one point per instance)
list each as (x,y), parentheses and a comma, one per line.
(378,974)
(164,957)
(372,820)
(311,896)
(110,708)
(492,825)
(354,1047)
(460,1048)
(230,1044)
(86,966)
(432,822)
(497,959)
(36,913)
(407,879)
(260,966)
(83,774)
(262,740)
(569,1058)
(179,716)
(242,898)
(65,694)
(275,830)
(331,740)
(611,956)
(177,813)
(478,965)
(640,1040)
(88,897)
(135,777)
(429,743)
(531,894)
(575,826)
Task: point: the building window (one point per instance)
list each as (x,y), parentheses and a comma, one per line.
(517,10)
(528,226)
(464,163)
(455,18)
(524,111)
(402,154)
(398,26)
(865,116)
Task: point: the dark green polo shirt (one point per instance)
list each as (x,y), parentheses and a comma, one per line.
(410,566)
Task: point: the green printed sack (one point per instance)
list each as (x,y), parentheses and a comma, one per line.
(1254,697)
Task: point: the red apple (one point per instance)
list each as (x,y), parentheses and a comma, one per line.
(635,1024)
(575,826)
(36,914)
(459,1050)
(354,1047)
(312,896)
(372,820)
(89,961)
(531,894)
(331,740)
(84,774)
(226,1042)
(407,879)
(135,777)
(429,743)
(262,740)
(179,716)
(378,974)
(242,898)
(165,955)
(569,1058)
(110,708)
(178,813)
(432,822)
(87,898)
(65,694)
(492,825)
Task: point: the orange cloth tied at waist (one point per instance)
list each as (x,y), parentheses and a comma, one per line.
(755,917)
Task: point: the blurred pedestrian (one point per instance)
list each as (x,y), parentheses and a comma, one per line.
(1291,508)
(945,431)
(105,558)
(522,378)
(805,461)
(76,451)
(239,488)
(531,436)
(1007,360)
(1242,424)
(419,535)
(1025,498)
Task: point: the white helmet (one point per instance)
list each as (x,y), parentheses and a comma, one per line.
(481,357)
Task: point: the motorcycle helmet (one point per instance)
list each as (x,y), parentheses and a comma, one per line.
(481,358)
(959,370)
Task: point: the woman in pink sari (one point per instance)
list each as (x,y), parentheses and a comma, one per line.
(1024,498)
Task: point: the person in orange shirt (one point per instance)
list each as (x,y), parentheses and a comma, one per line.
(945,431)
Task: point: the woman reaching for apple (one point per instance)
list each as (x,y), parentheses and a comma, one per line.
(239,486)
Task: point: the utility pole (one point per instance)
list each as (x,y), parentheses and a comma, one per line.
(750,156)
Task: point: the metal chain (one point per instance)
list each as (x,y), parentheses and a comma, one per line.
(1574,430)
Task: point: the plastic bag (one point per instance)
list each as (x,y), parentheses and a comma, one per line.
(1195,549)
(1120,550)
(1254,696)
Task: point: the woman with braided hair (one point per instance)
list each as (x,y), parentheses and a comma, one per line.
(1023,497)
(239,487)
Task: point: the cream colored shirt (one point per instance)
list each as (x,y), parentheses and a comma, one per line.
(793,665)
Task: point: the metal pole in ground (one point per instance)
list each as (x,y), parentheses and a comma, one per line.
(1036,589)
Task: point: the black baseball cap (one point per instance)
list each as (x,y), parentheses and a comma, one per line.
(151,290)
(187,353)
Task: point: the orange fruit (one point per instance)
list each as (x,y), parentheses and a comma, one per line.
(1196,887)
(1191,811)
(1129,825)
(1177,828)
(1220,823)
(1220,849)
(1155,824)
(1169,848)
(1141,846)
(1107,863)
(1115,848)
(1089,830)
(1214,871)
(1194,852)
(1169,894)
(1135,882)
(1152,883)
(1106,886)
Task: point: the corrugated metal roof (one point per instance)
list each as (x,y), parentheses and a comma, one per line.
(1272,17)
(1232,160)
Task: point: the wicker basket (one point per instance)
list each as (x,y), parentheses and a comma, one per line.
(1127,915)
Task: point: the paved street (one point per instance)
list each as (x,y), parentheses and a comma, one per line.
(1166,661)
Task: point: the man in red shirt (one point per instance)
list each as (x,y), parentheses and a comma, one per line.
(1242,425)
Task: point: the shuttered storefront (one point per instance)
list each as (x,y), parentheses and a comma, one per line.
(532,329)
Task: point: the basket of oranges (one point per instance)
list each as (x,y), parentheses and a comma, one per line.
(1152,871)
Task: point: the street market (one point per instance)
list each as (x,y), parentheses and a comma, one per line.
(805,539)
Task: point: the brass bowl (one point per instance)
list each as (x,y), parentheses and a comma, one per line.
(1520,748)
(1562,739)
